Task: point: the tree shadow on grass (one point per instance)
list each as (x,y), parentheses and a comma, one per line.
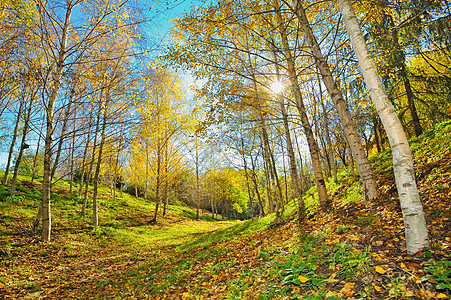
(202,240)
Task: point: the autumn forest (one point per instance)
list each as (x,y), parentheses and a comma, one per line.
(240,149)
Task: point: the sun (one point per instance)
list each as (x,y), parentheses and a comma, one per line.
(277,87)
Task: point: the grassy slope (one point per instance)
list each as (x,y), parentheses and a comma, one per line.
(355,251)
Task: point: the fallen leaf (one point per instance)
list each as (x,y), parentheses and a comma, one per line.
(378,289)
(303,279)
(380,270)
(441,296)
(348,290)
(331,294)
(409,294)
(413,266)
(427,294)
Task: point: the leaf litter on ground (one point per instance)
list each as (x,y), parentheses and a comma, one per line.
(354,251)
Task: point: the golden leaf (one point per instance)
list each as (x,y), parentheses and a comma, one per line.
(303,279)
(331,294)
(378,289)
(409,294)
(348,290)
(380,270)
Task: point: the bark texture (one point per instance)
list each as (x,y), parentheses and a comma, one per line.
(292,159)
(366,173)
(312,144)
(412,209)
(47,179)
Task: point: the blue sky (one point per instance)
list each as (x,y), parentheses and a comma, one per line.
(160,15)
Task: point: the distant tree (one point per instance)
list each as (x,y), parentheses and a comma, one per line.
(67,44)
(154,147)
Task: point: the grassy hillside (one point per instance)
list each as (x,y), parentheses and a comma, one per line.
(354,251)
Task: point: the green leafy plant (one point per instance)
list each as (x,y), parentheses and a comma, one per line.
(439,272)
(15,199)
(367,220)
(348,261)
(342,229)
(264,254)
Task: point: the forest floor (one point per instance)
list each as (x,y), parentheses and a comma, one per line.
(356,250)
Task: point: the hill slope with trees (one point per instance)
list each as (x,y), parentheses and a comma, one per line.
(354,250)
(259,149)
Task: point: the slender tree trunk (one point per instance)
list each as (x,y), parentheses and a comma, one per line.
(63,132)
(197,178)
(85,154)
(330,149)
(410,100)
(267,152)
(400,62)
(285,177)
(270,161)
(72,152)
(376,134)
(212,207)
(95,214)
(157,185)
(22,145)
(313,146)
(47,179)
(246,171)
(293,169)
(116,167)
(147,171)
(269,182)
(366,174)
(91,163)
(37,219)
(13,142)
(301,169)
(254,180)
(35,158)
(412,209)
(165,178)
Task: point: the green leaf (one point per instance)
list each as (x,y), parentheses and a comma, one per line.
(443,286)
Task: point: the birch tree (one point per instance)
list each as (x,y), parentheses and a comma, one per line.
(355,144)
(412,209)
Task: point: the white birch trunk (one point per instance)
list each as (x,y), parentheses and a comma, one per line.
(47,178)
(412,209)
(366,174)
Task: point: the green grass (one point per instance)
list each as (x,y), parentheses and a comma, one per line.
(178,244)
(124,221)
